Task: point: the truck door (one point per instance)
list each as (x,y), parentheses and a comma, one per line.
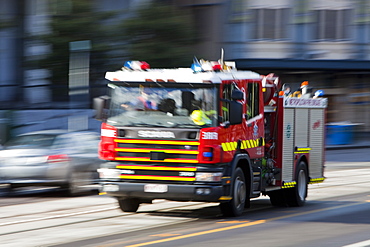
(254,120)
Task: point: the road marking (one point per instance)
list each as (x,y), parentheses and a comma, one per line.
(233,221)
(165,235)
(245,225)
(359,244)
(199,233)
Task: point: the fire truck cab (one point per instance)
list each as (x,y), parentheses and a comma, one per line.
(208,133)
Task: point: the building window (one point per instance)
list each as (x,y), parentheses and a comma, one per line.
(332,24)
(271,24)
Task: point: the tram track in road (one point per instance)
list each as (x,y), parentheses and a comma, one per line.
(95,222)
(74,217)
(45,220)
(64,212)
(168,235)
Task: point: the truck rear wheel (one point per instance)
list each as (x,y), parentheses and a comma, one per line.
(296,197)
(235,206)
(128,204)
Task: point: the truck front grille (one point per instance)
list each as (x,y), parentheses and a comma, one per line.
(157,150)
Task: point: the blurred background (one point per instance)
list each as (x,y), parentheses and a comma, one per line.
(54,53)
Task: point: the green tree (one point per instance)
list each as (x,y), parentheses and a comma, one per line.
(160,34)
(74,20)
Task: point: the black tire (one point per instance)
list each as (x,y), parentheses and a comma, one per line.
(128,204)
(235,207)
(296,197)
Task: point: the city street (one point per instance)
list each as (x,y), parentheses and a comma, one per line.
(337,213)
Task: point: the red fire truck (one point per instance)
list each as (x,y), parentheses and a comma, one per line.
(207,133)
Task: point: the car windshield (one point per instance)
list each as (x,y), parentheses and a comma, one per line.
(30,141)
(170,106)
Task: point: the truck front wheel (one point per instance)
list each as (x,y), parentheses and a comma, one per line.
(128,204)
(235,206)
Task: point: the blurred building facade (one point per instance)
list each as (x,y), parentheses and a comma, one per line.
(324,42)
(22,88)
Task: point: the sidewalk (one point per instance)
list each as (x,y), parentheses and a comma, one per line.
(360,140)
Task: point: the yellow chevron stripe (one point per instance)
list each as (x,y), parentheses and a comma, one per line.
(243,146)
(231,146)
(223,145)
(228,146)
(316,180)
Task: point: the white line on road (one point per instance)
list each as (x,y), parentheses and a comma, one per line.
(359,244)
(57,216)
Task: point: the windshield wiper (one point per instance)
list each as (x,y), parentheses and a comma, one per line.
(185,125)
(147,125)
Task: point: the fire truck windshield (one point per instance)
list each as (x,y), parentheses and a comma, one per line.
(169,105)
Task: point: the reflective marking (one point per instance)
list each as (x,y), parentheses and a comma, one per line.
(359,244)
(225,198)
(148,159)
(288,184)
(140,141)
(147,150)
(169,178)
(231,146)
(161,168)
(316,180)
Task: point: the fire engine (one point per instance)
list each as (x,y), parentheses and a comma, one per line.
(208,133)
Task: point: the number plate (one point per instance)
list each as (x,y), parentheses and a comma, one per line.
(110,187)
(155,188)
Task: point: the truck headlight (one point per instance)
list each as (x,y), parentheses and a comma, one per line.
(105,173)
(209,176)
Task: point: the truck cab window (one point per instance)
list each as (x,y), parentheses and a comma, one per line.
(252,107)
(226,98)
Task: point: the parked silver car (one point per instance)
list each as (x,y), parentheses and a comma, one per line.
(51,158)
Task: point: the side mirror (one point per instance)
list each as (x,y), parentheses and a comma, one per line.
(236,112)
(237,95)
(100,105)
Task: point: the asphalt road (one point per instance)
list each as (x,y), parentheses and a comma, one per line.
(337,213)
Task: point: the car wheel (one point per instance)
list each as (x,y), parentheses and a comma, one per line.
(73,186)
